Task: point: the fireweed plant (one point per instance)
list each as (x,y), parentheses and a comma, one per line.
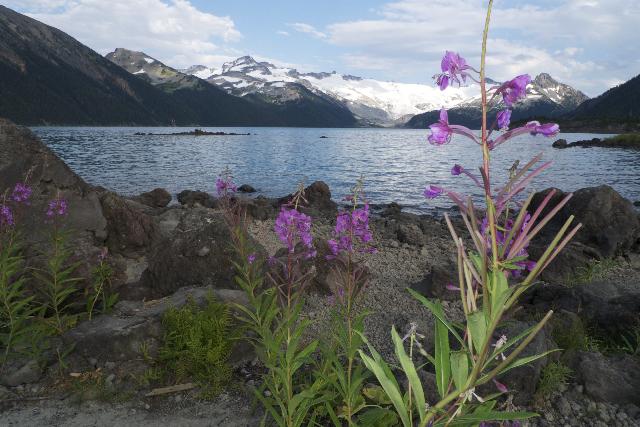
(272,316)
(341,363)
(491,275)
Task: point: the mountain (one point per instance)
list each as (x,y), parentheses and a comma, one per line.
(376,102)
(546,97)
(617,104)
(48,77)
(373,102)
(288,106)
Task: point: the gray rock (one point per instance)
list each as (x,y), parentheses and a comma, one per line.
(156,198)
(130,228)
(28,373)
(318,201)
(614,379)
(610,223)
(560,143)
(524,379)
(246,188)
(197,253)
(192,198)
(434,284)
(135,327)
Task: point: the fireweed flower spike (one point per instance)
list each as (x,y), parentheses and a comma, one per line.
(225,186)
(6,217)
(21,193)
(352,229)
(57,207)
(293,227)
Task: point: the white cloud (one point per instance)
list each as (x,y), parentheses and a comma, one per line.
(308,29)
(586,44)
(283,33)
(173,31)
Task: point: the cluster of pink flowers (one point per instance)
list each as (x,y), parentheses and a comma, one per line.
(225,186)
(293,227)
(57,208)
(351,230)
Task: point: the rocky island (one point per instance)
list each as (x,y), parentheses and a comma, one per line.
(628,140)
(195,132)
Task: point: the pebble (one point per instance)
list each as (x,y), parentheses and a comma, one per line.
(93,362)
(110,365)
(267,393)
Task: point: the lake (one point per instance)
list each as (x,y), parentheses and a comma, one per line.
(396,163)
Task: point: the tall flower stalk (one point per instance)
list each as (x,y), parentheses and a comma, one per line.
(491,275)
(351,235)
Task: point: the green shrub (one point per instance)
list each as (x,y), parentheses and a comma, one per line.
(553,376)
(197,344)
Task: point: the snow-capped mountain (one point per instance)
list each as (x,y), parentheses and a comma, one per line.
(374,101)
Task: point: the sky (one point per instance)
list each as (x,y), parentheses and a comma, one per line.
(590,44)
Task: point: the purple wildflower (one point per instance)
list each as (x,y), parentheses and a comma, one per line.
(504,118)
(547,129)
(433,191)
(224,186)
(514,89)
(441,132)
(293,226)
(456,170)
(6,216)
(352,226)
(454,68)
(57,207)
(251,258)
(21,193)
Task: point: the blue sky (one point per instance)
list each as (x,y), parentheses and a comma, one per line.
(590,44)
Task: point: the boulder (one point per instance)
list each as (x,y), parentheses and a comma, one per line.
(560,143)
(614,379)
(246,188)
(197,253)
(524,379)
(192,198)
(25,157)
(136,327)
(609,307)
(156,198)
(261,208)
(610,224)
(434,284)
(130,228)
(318,201)
(21,373)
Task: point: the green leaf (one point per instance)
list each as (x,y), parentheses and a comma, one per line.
(410,371)
(376,394)
(526,360)
(438,312)
(443,366)
(500,288)
(478,329)
(378,417)
(473,419)
(389,386)
(459,368)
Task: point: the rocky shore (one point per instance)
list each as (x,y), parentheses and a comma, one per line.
(163,254)
(629,140)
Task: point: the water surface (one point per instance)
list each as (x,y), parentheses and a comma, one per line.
(396,163)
